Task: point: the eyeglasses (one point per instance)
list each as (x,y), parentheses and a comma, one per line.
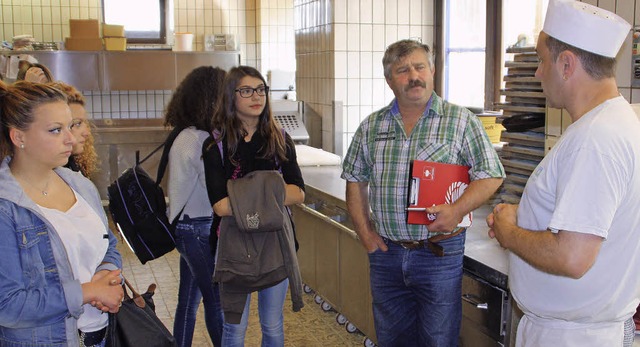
(247,92)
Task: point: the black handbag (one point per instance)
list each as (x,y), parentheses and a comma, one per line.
(136,324)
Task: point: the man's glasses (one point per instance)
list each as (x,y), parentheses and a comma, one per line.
(247,92)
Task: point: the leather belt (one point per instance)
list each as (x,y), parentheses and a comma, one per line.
(435,248)
(430,243)
(92,338)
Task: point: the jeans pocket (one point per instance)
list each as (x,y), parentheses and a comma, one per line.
(453,246)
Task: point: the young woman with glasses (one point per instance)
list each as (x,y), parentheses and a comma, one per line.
(251,140)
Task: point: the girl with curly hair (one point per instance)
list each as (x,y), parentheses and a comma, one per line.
(191,108)
(83,156)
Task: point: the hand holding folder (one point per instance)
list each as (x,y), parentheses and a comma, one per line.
(431,184)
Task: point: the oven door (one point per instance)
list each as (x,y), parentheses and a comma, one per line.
(485,312)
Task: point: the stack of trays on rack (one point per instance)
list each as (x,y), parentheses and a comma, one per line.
(519,156)
(523,118)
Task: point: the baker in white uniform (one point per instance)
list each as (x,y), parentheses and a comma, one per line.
(574,240)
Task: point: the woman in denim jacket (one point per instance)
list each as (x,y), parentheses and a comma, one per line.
(59,267)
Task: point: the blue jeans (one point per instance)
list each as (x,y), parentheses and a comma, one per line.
(417,295)
(270,305)
(196,271)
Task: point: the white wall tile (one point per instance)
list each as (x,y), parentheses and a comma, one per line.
(404,14)
(340,64)
(376,64)
(353,64)
(340,11)
(124,102)
(427,13)
(366,11)
(353,118)
(366,65)
(340,37)
(415,12)
(378,36)
(353,11)
(378,12)
(391,12)
(353,37)
(353,91)
(366,37)
(377,92)
(366,91)
(403,32)
(390,34)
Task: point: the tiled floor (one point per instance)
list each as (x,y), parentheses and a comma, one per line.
(310,327)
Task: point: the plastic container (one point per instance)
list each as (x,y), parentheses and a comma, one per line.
(183,42)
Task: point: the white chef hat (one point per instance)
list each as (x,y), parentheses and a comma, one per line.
(586,26)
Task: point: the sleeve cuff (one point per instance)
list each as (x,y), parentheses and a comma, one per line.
(73,296)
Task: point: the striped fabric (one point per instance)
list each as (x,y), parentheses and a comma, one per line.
(381,152)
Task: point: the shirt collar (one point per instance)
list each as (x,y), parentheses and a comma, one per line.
(395,109)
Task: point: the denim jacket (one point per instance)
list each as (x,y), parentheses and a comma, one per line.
(40,299)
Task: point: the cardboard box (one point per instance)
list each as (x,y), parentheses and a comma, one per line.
(83,44)
(115,43)
(84,28)
(112,30)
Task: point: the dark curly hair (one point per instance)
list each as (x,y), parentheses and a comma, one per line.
(196,99)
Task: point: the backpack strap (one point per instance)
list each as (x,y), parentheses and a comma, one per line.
(216,138)
(164,160)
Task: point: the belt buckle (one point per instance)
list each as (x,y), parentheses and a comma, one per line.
(410,245)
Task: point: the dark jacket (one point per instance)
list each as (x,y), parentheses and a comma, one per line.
(256,247)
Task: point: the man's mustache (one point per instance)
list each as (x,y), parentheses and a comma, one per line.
(415,83)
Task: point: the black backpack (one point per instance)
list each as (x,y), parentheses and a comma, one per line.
(139,210)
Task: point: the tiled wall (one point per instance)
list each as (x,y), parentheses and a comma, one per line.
(263,30)
(339,48)
(127,104)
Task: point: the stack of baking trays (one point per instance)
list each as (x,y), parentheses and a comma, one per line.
(523,119)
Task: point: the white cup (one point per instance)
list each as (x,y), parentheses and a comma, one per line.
(183,42)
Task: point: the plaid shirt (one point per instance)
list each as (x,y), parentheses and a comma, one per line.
(380,154)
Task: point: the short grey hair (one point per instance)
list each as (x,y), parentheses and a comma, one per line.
(401,49)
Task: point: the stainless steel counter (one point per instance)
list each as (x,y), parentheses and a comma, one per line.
(483,256)
(128,70)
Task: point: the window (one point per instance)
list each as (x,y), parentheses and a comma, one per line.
(475,35)
(144,20)
(464,53)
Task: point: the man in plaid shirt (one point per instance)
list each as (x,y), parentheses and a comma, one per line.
(416,272)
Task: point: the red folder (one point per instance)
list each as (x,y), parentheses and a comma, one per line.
(432,184)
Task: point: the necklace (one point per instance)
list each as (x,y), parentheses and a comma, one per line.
(43,191)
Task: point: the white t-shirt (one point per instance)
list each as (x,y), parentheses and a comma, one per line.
(588,183)
(83,235)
